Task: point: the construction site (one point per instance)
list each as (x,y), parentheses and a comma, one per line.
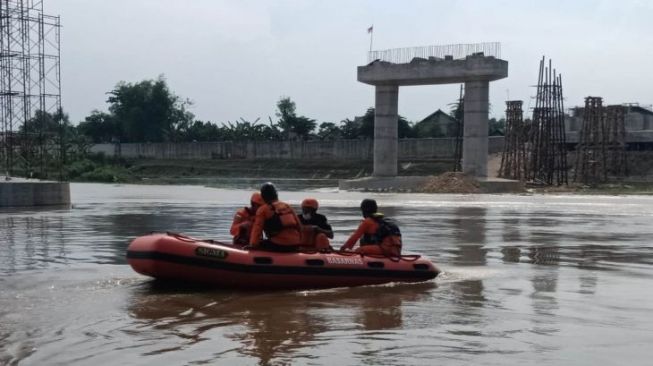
(32,136)
(597,149)
(551,143)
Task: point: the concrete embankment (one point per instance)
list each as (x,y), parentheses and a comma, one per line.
(315,150)
(24,193)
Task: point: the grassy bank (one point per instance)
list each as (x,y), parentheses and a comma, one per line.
(625,187)
(98,168)
(288,173)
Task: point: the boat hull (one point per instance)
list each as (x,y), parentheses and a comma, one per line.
(177,257)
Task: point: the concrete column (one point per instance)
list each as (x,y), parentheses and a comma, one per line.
(386,121)
(475,142)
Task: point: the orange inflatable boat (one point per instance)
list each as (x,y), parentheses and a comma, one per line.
(178,257)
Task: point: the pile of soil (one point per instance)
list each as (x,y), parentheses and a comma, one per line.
(451,182)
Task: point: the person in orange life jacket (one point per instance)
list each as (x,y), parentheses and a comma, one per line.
(244,219)
(377,234)
(316,231)
(279,223)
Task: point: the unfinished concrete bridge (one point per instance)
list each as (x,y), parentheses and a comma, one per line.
(475,65)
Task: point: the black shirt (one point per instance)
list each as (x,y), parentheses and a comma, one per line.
(316,220)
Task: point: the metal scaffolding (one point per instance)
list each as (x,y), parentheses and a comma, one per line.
(459,116)
(617,160)
(590,152)
(30,89)
(601,150)
(513,158)
(546,147)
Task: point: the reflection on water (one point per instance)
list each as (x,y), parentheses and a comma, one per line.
(469,229)
(527,279)
(280,326)
(31,242)
(469,239)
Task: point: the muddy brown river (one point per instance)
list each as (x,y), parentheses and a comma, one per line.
(528,280)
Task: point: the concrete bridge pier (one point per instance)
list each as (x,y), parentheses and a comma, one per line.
(386,121)
(19,192)
(475,142)
(475,70)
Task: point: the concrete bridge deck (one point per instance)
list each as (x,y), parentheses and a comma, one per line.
(433,71)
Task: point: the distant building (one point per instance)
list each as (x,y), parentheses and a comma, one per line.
(638,119)
(638,122)
(437,124)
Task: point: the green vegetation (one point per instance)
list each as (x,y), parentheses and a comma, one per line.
(148,111)
(99,168)
(643,188)
(140,112)
(634,187)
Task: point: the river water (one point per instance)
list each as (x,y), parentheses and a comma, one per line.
(528,279)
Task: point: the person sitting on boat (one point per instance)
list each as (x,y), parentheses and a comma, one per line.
(316,230)
(378,235)
(244,219)
(279,223)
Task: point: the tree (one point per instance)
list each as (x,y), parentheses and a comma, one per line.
(350,129)
(244,130)
(329,131)
(44,123)
(496,128)
(100,127)
(404,128)
(291,124)
(46,141)
(367,124)
(148,111)
(201,131)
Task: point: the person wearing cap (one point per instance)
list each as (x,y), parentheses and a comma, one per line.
(244,219)
(278,221)
(316,230)
(378,235)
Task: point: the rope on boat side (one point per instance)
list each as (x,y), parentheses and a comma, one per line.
(407,257)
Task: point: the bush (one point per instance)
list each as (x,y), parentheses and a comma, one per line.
(80,167)
(106,174)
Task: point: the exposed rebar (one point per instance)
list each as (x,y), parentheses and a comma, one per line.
(601,150)
(456,51)
(546,148)
(513,157)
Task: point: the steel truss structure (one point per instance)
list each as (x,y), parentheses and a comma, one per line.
(546,146)
(459,116)
(513,159)
(601,150)
(30,89)
(615,128)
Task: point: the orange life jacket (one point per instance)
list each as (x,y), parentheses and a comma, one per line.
(387,236)
(239,231)
(283,218)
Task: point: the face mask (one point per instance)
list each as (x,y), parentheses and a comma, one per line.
(306,216)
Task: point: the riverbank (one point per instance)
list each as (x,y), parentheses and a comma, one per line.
(99,168)
(620,188)
(298,174)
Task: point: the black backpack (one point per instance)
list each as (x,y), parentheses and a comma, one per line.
(387,227)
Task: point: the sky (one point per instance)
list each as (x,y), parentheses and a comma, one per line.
(236,59)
